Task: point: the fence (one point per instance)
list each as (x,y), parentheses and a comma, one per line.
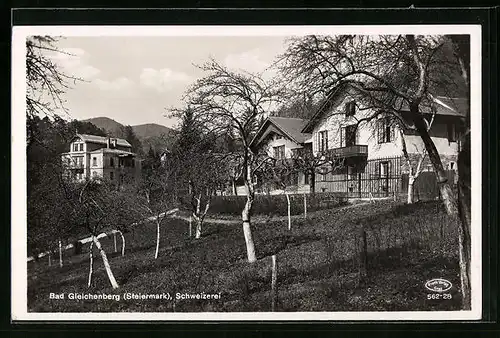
(373,178)
(277,204)
(425,186)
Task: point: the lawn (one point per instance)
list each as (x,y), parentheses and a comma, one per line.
(317,265)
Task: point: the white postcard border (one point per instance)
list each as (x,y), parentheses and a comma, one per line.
(19,182)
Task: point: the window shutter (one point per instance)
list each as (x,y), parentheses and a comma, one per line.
(326,139)
(342,136)
(379,130)
(393,133)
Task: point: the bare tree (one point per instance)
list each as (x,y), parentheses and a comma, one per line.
(46,81)
(97,206)
(461,48)
(154,194)
(387,72)
(280,173)
(234,103)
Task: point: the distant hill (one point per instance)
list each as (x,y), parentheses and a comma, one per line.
(150,134)
(109,125)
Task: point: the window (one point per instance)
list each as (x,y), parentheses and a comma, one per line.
(384,169)
(350,108)
(324,174)
(351,172)
(384,130)
(323,141)
(452,136)
(278,137)
(94,161)
(78,161)
(279,152)
(81,146)
(75,147)
(348,136)
(111,175)
(111,162)
(306,178)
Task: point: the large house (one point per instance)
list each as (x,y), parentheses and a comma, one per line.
(369,154)
(93,156)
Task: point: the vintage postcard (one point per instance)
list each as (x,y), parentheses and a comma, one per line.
(318,173)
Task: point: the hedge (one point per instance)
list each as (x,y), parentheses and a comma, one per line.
(277,204)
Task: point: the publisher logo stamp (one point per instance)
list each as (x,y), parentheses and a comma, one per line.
(438,285)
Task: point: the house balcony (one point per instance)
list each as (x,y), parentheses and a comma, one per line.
(349,151)
(76,166)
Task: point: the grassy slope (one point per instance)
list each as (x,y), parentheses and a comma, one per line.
(407,246)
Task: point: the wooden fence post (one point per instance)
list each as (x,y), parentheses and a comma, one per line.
(190,226)
(274,277)
(60,254)
(305,206)
(362,254)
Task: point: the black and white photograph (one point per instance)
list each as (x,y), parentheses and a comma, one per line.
(246,173)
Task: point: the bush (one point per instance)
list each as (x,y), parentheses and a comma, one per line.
(277,204)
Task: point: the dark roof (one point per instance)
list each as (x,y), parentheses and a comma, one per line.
(451,106)
(444,106)
(102,139)
(291,127)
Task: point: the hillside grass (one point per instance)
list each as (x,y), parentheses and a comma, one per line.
(317,266)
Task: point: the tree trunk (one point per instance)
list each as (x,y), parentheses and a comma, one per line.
(235,191)
(91,268)
(157,237)
(411,181)
(288,211)
(60,255)
(198,229)
(245,215)
(464,197)
(449,200)
(305,206)
(123,242)
(111,277)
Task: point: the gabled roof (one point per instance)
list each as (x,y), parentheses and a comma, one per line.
(102,140)
(444,106)
(327,103)
(290,127)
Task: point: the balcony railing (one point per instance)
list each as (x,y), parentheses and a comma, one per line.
(75,166)
(349,151)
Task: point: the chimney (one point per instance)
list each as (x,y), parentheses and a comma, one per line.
(107,143)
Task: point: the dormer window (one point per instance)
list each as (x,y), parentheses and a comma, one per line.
(113,142)
(75,146)
(350,108)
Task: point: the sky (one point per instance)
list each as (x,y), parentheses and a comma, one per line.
(133,80)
